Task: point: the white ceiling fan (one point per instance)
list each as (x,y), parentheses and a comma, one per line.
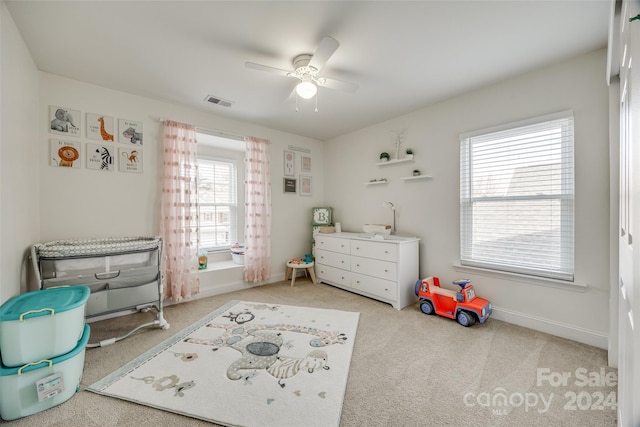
(306,68)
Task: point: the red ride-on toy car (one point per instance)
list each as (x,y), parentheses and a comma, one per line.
(462,305)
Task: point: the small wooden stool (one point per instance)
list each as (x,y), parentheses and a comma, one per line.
(292,268)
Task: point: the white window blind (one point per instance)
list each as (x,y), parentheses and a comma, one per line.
(517,197)
(217,203)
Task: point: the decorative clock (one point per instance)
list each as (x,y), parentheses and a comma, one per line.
(322,216)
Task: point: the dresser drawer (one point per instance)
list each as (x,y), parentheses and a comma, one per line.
(334,275)
(384,289)
(333,259)
(376,250)
(373,267)
(333,244)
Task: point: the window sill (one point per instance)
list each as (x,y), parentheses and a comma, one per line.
(220,265)
(530,280)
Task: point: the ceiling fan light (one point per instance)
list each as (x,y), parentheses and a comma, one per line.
(306,89)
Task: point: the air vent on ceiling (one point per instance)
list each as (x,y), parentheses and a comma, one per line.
(218,101)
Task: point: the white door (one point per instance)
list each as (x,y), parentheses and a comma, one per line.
(629,267)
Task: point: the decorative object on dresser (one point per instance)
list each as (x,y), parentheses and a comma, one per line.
(322,216)
(321,220)
(384,268)
(123,274)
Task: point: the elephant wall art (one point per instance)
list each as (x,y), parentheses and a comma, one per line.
(64,121)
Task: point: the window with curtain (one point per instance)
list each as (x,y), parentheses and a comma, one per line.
(517,197)
(217,203)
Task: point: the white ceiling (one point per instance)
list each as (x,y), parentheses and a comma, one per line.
(403,55)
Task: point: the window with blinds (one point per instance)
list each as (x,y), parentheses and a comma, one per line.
(217,203)
(517,197)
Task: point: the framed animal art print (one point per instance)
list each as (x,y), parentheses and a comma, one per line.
(130,160)
(65,154)
(63,121)
(100,157)
(100,127)
(129,132)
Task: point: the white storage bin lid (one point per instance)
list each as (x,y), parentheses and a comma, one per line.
(45,302)
(19,370)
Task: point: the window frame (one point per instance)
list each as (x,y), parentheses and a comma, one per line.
(566,197)
(215,147)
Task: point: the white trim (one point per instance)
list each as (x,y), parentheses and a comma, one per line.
(233,286)
(520,123)
(563,330)
(524,278)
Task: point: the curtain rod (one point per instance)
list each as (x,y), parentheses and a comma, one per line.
(220,133)
(213,132)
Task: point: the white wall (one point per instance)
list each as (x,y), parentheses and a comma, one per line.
(79,203)
(430,209)
(19,201)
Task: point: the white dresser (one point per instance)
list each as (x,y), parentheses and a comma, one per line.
(386,270)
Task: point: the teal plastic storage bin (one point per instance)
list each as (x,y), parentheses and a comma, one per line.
(42,324)
(37,386)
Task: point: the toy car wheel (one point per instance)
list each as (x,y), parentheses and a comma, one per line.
(466,319)
(426,307)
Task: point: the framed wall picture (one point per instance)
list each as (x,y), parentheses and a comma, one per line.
(99,127)
(129,132)
(305,185)
(289,163)
(305,163)
(129,160)
(289,185)
(64,121)
(65,154)
(101,157)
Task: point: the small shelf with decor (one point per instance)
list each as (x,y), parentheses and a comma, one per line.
(395,161)
(416,177)
(377,182)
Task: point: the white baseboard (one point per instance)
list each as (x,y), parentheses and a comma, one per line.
(224,288)
(571,332)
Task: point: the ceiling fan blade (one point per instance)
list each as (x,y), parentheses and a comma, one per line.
(340,85)
(328,46)
(260,67)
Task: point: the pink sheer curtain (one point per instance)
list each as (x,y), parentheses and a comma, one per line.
(257,235)
(179,211)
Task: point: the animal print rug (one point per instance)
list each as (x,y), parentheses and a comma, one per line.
(247,364)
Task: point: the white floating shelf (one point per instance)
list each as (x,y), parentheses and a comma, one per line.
(376,182)
(394,161)
(416,178)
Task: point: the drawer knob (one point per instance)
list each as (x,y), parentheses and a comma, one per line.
(386,271)
(386,252)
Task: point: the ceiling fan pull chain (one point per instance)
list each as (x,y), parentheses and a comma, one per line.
(296,102)
(316,102)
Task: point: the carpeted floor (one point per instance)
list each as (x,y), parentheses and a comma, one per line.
(407,369)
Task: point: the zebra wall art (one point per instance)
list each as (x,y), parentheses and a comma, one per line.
(106,159)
